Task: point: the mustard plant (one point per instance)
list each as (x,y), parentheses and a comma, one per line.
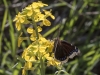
(40,50)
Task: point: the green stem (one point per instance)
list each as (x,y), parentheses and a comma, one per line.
(58,72)
(42,66)
(2,28)
(35,27)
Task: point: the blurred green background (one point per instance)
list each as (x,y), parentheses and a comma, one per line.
(79,22)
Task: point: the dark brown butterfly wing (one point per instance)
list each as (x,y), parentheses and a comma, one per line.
(63,50)
(71,50)
(59,52)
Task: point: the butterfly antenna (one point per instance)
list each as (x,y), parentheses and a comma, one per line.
(60,27)
(59,31)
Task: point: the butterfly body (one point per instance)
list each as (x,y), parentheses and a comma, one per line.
(64,50)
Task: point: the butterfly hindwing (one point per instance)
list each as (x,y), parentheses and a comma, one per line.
(70,49)
(59,52)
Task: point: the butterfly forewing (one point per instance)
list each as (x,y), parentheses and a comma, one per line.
(68,48)
(59,53)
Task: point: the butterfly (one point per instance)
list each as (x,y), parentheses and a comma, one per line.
(64,50)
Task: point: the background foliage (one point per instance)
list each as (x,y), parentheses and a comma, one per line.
(79,22)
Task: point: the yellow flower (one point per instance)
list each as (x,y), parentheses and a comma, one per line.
(42,49)
(48,13)
(53,62)
(29,13)
(18,25)
(30,30)
(42,39)
(28,65)
(38,17)
(19,20)
(29,54)
(23,72)
(46,22)
(38,4)
(28,10)
(39,28)
(20,39)
(19,17)
(50,45)
(33,36)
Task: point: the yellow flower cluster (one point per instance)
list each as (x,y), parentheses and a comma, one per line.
(41,48)
(33,12)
